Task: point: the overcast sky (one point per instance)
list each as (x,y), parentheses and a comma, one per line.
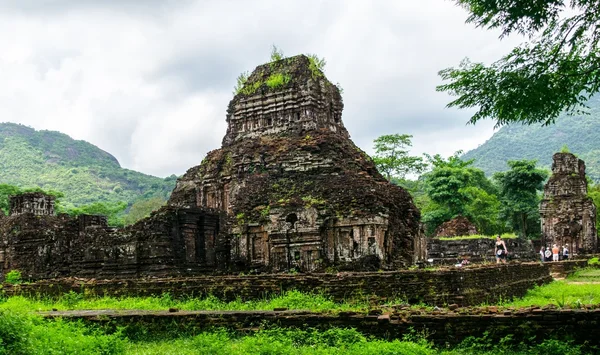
(149,81)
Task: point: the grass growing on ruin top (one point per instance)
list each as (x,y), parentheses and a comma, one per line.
(480,236)
(292,300)
(575,292)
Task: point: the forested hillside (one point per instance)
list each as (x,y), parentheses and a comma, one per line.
(84,173)
(581,134)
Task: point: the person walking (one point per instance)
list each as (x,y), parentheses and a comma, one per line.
(500,250)
(555,251)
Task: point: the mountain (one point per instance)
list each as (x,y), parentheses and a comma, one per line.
(580,133)
(83,172)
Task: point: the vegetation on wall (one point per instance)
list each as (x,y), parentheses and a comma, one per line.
(278,77)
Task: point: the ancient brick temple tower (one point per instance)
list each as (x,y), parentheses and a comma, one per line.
(568,215)
(300,194)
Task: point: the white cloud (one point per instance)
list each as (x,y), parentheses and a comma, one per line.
(150,84)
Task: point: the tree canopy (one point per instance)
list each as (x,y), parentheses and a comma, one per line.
(392,159)
(456,188)
(557,70)
(519,195)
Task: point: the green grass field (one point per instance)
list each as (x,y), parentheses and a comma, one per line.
(577,290)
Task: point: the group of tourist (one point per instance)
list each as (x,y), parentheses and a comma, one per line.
(547,254)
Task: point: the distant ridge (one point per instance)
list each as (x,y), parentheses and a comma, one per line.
(581,134)
(83,172)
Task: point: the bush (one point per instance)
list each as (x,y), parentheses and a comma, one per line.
(14,331)
(276,80)
(13,277)
(593,261)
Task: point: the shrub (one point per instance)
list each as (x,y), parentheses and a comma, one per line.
(276,80)
(276,54)
(240,82)
(316,66)
(593,261)
(13,277)
(14,331)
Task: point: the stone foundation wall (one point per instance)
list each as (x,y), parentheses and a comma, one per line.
(531,324)
(468,286)
(449,252)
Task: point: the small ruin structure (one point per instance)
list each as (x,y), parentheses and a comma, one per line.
(568,215)
(456,227)
(288,190)
(36,203)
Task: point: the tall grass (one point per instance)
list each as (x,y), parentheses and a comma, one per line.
(293,300)
(22,334)
(340,341)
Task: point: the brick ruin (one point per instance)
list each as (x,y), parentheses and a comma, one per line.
(287,190)
(36,203)
(568,214)
(41,244)
(453,251)
(456,227)
(303,195)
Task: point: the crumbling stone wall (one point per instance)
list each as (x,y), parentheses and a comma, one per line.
(531,325)
(568,215)
(302,195)
(477,250)
(171,242)
(463,286)
(36,203)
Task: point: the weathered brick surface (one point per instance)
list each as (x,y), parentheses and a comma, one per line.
(467,286)
(477,250)
(568,214)
(304,196)
(171,242)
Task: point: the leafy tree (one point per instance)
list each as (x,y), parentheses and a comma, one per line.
(142,209)
(448,179)
(416,188)
(456,188)
(557,70)
(519,195)
(392,159)
(483,209)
